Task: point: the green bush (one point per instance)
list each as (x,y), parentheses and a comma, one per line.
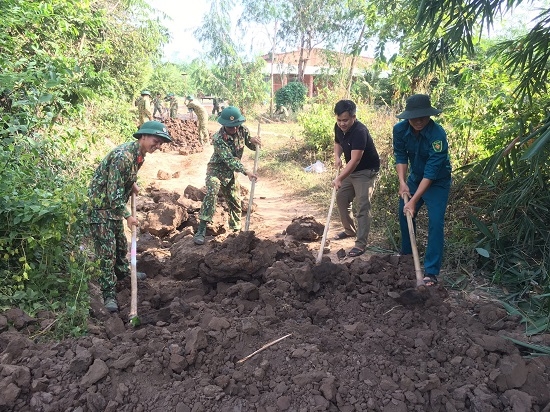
(318,127)
(292,96)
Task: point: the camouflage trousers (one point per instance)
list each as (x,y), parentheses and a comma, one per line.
(173,112)
(231,192)
(111,248)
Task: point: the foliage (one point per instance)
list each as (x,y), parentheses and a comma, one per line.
(168,78)
(292,96)
(66,67)
(318,127)
(232,77)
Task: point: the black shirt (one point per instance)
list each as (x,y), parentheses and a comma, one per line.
(358,138)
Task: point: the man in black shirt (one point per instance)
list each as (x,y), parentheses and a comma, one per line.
(358,178)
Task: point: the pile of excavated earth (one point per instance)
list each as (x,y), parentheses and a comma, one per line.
(185,136)
(254,324)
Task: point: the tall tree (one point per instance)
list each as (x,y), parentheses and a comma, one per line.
(233,76)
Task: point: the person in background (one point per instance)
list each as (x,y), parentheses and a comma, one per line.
(424,170)
(173,105)
(356,181)
(229,143)
(282,113)
(112,183)
(202,118)
(144,107)
(188,99)
(157,106)
(216,106)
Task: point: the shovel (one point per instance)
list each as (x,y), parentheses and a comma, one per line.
(418,294)
(251,195)
(134,319)
(325,232)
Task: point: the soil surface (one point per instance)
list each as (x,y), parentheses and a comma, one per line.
(345,339)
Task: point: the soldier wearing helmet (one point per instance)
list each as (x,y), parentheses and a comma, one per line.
(112,184)
(144,104)
(228,143)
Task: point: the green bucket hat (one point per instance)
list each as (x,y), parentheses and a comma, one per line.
(418,105)
(231,117)
(144,92)
(154,128)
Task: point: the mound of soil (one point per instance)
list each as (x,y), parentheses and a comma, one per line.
(349,345)
(185,136)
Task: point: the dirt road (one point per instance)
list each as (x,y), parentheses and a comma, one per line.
(352,347)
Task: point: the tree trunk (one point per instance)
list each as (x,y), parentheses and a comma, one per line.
(272,65)
(353,60)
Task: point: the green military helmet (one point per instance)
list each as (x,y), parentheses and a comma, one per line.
(154,128)
(231,116)
(146,92)
(189,97)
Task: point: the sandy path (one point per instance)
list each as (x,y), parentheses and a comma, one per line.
(276,206)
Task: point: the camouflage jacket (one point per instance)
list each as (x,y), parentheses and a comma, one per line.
(157,104)
(228,151)
(112,183)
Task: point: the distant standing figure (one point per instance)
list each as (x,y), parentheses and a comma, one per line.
(356,181)
(421,143)
(216,106)
(112,184)
(157,106)
(229,143)
(144,107)
(173,105)
(202,117)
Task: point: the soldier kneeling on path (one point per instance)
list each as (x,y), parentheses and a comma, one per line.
(113,182)
(229,143)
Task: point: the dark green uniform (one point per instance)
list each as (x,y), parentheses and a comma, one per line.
(220,174)
(109,191)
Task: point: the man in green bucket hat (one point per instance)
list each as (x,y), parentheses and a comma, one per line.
(144,105)
(113,182)
(228,143)
(421,143)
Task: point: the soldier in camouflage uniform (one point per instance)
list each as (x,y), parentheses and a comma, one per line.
(202,117)
(173,105)
(229,143)
(157,106)
(112,184)
(144,107)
